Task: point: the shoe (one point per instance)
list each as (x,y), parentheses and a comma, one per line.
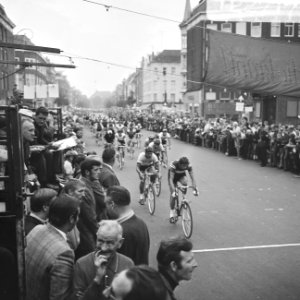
(142,201)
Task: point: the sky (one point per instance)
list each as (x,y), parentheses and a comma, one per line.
(85,29)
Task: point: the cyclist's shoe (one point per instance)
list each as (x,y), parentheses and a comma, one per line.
(172,220)
(142,200)
(173,216)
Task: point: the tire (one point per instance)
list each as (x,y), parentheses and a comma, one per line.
(157,187)
(151,200)
(187,220)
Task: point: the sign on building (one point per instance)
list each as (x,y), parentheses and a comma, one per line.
(254,10)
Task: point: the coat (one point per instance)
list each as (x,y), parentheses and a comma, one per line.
(49,264)
(108,176)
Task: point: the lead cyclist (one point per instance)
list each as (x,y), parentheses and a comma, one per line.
(177,172)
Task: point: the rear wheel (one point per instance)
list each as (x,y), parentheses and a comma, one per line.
(187,220)
(151,199)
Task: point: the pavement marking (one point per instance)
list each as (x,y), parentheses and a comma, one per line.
(247,248)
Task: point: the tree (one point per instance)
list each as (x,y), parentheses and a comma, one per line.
(64,90)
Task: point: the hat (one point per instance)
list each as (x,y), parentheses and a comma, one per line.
(71,153)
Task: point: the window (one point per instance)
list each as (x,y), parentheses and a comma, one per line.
(172,98)
(257,109)
(275,29)
(256,29)
(173,85)
(165,84)
(292,108)
(164,71)
(224,94)
(298,30)
(289,29)
(226,27)
(173,70)
(240,28)
(155,84)
(212,26)
(155,97)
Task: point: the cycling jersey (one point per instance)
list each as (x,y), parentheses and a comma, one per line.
(178,173)
(131,133)
(164,138)
(156,148)
(144,162)
(121,139)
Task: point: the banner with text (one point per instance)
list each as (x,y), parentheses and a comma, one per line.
(254,10)
(262,66)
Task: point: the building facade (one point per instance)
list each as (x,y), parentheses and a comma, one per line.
(214,101)
(35,78)
(162,83)
(6,54)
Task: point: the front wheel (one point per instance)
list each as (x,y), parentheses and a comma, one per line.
(157,186)
(151,199)
(187,220)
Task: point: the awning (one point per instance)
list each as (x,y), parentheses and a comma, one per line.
(253,64)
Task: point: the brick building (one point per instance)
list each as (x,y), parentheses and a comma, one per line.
(214,101)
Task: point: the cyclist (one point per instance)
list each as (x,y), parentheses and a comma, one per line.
(121,141)
(138,135)
(147,159)
(158,148)
(177,173)
(131,134)
(119,126)
(165,138)
(109,137)
(149,140)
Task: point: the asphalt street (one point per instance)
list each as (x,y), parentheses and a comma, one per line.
(246,225)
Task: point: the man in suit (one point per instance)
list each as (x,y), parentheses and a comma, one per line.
(39,206)
(49,258)
(135,232)
(107,175)
(95,271)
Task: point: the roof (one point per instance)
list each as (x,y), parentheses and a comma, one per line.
(167,56)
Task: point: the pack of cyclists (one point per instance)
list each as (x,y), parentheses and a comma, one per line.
(128,135)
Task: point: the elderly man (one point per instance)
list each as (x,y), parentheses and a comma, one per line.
(136,235)
(49,258)
(176,262)
(95,271)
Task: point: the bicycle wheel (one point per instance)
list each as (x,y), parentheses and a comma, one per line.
(151,199)
(157,187)
(186,219)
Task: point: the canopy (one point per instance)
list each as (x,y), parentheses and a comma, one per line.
(246,63)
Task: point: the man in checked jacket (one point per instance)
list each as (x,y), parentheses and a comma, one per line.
(48,256)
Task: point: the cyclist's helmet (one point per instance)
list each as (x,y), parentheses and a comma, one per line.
(165,130)
(120,130)
(148,149)
(157,141)
(151,138)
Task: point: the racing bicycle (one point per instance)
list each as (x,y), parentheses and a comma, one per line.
(121,156)
(183,209)
(149,191)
